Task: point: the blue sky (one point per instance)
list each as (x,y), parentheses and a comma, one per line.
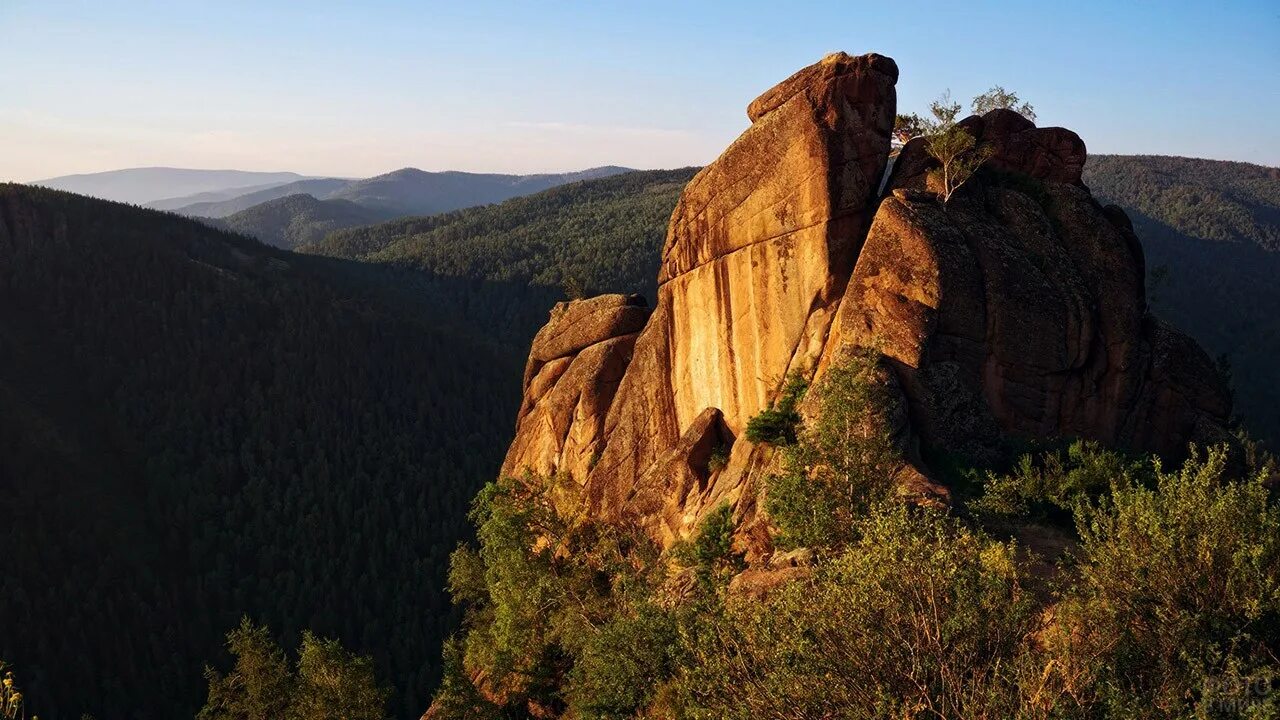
(358,88)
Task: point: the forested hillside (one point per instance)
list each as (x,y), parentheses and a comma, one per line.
(223,206)
(599,235)
(1211,232)
(198,427)
(293,220)
(410,191)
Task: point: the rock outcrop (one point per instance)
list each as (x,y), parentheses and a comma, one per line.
(574,367)
(1016,308)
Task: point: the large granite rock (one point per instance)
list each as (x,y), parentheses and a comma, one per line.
(1019,307)
(1016,309)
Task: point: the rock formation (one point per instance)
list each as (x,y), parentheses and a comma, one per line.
(574,367)
(1017,308)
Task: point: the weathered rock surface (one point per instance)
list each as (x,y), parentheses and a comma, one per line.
(1019,307)
(760,246)
(1016,309)
(574,367)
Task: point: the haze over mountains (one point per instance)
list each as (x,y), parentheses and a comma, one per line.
(335,203)
(144,185)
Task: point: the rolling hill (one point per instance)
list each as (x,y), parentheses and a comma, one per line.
(199,427)
(410,191)
(223,206)
(290,221)
(601,235)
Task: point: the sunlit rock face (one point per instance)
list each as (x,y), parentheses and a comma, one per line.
(1015,309)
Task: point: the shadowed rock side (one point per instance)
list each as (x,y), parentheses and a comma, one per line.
(1019,307)
(1016,309)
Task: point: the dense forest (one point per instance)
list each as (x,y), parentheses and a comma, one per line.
(594,236)
(198,427)
(1211,232)
(297,219)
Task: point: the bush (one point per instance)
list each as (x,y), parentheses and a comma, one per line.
(544,582)
(710,552)
(921,618)
(1177,597)
(719,458)
(620,667)
(777,425)
(1056,483)
(843,461)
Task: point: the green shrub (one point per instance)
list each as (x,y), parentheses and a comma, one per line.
(1177,597)
(920,618)
(777,425)
(719,458)
(620,667)
(544,581)
(709,553)
(842,462)
(1055,482)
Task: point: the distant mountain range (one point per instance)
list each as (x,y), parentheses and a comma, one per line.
(217,205)
(248,201)
(147,185)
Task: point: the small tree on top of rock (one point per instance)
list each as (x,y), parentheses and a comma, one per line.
(997,98)
(956,151)
(906,127)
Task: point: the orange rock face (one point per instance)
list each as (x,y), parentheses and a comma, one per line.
(575,365)
(1017,308)
(759,247)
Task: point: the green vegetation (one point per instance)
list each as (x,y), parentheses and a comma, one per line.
(295,220)
(329,682)
(1177,588)
(709,554)
(842,462)
(1211,234)
(552,598)
(197,427)
(956,151)
(777,424)
(1055,483)
(598,236)
(1166,604)
(997,98)
(922,617)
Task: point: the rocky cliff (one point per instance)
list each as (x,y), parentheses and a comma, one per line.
(1015,309)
